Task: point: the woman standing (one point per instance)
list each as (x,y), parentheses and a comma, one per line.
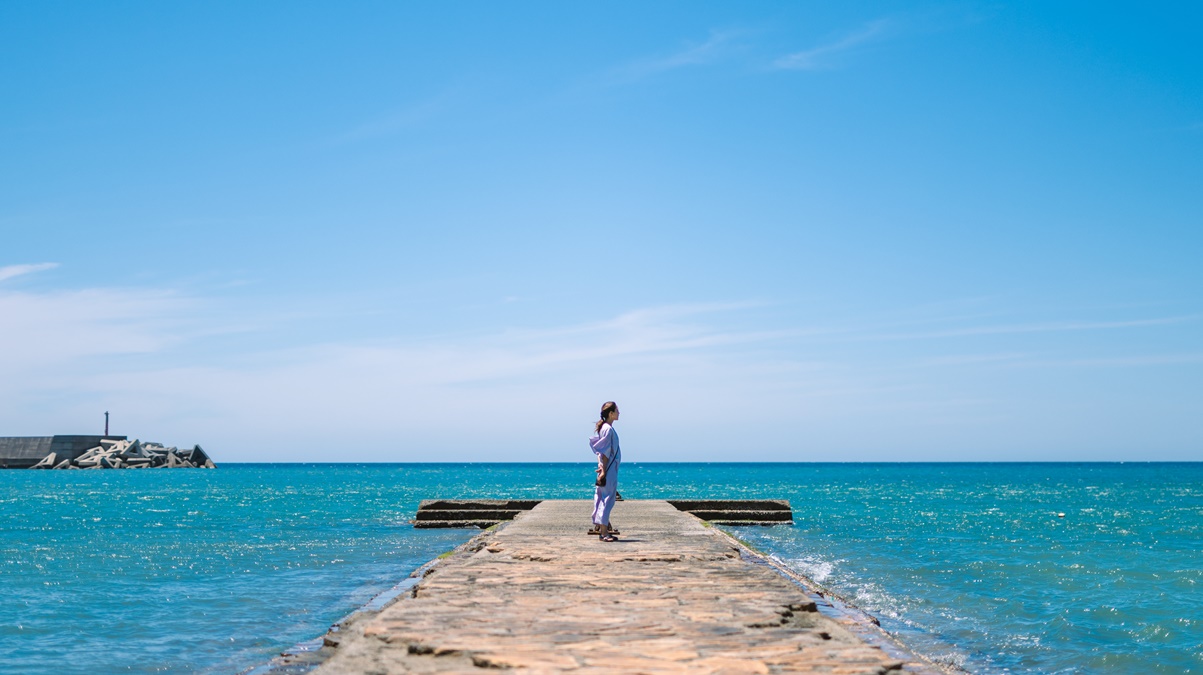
(609,456)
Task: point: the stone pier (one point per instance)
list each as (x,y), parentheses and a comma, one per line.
(673,595)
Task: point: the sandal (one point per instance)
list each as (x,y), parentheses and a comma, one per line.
(608,537)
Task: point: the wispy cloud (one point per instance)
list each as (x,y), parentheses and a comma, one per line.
(1138,361)
(137,351)
(967,360)
(1049,327)
(395,121)
(820,57)
(713,49)
(634,335)
(1021,360)
(57,329)
(691,375)
(11,271)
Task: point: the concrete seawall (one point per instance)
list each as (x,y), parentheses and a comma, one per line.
(22,452)
(96,452)
(673,595)
(483,513)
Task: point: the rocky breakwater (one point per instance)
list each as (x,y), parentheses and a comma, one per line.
(124,454)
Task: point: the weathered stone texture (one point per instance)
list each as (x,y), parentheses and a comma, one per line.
(672,596)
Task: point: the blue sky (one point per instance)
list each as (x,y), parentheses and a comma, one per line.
(449,231)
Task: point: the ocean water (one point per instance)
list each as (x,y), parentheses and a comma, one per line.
(218,571)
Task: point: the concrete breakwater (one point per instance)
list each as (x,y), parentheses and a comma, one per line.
(484,513)
(673,595)
(738,511)
(97,452)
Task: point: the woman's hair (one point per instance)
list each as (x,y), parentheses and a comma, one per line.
(607,408)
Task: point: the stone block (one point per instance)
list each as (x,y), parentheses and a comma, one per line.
(47,463)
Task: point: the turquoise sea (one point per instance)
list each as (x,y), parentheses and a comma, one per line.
(217,571)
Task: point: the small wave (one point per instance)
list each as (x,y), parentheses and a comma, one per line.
(816,569)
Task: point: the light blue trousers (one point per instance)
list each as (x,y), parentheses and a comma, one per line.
(603,497)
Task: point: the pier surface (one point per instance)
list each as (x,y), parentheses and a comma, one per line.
(671,596)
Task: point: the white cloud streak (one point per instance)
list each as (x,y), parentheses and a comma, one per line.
(695,380)
(395,122)
(57,329)
(1138,361)
(136,352)
(1050,327)
(710,51)
(12,271)
(820,57)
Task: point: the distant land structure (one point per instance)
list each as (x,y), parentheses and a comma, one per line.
(96,452)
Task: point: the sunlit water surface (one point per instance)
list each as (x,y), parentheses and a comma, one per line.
(217,571)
